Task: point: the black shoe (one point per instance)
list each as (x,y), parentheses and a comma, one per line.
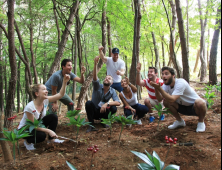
(104,125)
(90,128)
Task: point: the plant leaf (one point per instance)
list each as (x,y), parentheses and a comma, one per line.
(144,166)
(172,167)
(144,158)
(71,166)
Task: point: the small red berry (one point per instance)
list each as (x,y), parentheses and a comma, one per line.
(95,146)
(88,149)
(175,142)
(166,138)
(171,140)
(95,151)
(175,139)
(167,141)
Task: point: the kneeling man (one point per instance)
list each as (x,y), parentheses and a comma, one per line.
(100,106)
(179,97)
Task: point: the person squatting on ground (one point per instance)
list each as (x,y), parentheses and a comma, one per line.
(99,106)
(152,76)
(179,97)
(55,82)
(129,99)
(115,67)
(37,109)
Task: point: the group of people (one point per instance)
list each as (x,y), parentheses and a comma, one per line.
(175,94)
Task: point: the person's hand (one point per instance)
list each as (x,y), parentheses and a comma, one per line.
(127,80)
(96,60)
(138,68)
(132,110)
(66,78)
(155,85)
(83,69)
(103,108)
(52,134)
(101,48)
(55,107)
(118,72)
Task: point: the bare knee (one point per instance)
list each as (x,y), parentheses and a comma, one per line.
(146,102)
(200,104)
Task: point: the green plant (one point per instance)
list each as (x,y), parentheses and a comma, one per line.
(72,113)
(94,149)
(159,108)
(111,119)
(34,125)
(70,166)
(124,121)
(78,123)
(209,98)
(14,136)
(153,162)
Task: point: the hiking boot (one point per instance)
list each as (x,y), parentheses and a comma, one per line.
(177,124)
(201,127)
(29,146)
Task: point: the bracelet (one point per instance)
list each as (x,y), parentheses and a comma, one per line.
(130,84)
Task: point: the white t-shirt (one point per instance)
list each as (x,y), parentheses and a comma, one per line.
(187,94)
(112,67)
(31,109)
(133,101)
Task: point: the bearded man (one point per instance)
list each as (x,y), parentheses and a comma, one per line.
(179,97)
(100,106)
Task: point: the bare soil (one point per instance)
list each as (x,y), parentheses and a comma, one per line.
(205,154)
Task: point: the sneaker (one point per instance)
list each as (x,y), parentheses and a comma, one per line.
(151,119)
(177,124)
(139,122)
(162,117)
(201,127)
(29,146)
(90,128)
(55,141)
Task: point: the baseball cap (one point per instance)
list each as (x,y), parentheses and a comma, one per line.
(115,50)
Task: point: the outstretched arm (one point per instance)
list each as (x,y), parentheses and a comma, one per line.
(62,90)
(139,82)
(101,54)
(82,79)
(96,60)
(134,89)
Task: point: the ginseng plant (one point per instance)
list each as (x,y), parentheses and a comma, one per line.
(73,113)
(153,162)
(78,123)
(124,121)
(160,110)
(111,119)
(14,136)
(34,125)
(94,149)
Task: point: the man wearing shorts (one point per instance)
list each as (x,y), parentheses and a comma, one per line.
(179,97)
(152,76)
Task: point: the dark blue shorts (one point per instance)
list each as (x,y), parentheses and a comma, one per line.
(117,86)
(188,110)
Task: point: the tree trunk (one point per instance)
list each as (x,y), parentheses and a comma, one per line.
(208,49)
(89,78)
(136,41)
(188,30)
(163,52)
(156,52)
(45,65)
(4,144)
(64,39)
(18,87)
(197,61)
(202,42)
(109,37)
(13,65)
(214,48)
(1,73)
(185,59)
(56,21)
(126,74)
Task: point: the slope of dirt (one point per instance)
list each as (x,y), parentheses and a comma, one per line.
(203,155)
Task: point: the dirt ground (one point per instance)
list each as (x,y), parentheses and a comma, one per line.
(205,154)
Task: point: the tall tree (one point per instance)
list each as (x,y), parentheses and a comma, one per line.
(214,48)
(185,58)
(1,73)
(203,23)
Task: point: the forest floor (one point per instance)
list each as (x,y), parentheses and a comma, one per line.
(205,154)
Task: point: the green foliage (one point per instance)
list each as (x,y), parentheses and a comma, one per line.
(209,98)
(153,162)
(72,113)
(124,121)
(111,119)
(34,125)
(70,166)
(78,122)
(14,136)
(160,110)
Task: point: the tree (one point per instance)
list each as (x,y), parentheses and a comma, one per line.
(185,58)
(214,47)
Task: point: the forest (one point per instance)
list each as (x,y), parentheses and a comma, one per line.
(36,35)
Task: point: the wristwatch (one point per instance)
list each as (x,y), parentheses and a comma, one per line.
(130,84)
(108,104)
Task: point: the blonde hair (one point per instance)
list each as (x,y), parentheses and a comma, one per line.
(34,88)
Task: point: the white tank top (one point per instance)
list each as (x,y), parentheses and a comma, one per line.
(133,101)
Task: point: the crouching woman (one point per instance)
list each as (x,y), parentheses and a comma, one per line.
(129,99)
(37,109)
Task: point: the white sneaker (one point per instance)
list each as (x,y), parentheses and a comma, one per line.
(201,127)
(55,141)
(139,122)
(29,146)
(177,124)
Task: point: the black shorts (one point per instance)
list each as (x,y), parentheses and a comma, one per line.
(188,110)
